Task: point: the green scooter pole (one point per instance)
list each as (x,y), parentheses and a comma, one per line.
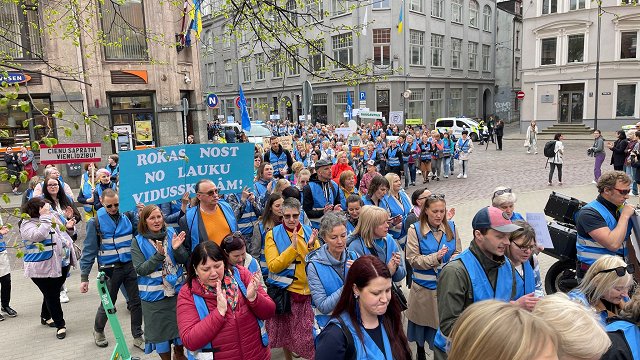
(121,352)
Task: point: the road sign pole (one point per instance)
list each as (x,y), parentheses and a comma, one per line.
(185,112)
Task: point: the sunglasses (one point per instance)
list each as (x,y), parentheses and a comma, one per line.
(623,192)
(291,216)
(620,270)
(501,192)
(436,197)
(112,205)
(210,192)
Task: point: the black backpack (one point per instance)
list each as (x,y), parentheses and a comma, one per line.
(549,149)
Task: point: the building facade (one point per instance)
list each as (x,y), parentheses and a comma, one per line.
(508,59)
(444,56)
(561,57)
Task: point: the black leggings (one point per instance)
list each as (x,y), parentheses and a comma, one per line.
(5,291)
(50,288)
(553,166)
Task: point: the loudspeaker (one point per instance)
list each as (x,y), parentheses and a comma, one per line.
(563,208)
(564,241)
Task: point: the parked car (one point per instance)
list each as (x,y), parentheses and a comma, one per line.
(458,124)
(255,135)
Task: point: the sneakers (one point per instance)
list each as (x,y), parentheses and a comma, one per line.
(100,339)
(460,176)
(9,311)
(594,182)
(1,317)
(464,176)
(139,343)
(64,298)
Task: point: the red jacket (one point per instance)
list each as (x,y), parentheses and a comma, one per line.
(338,169)
(237,335)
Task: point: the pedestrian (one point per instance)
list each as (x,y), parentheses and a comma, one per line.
(47,268)
(87,186)
(368,176)
(159,256)
(265,182)
(393,154)
(271,217)
(377,192)
(52,171)
(278,157)
(431,244)
(624,332)
(29,162)
(505,199)
(597,151)
(556,161)
(222,308)
(499,133)
(618,150)
(190,139)
(14,167)
(341,166)
(321,195)
(531,140)
(633,146)
(521,253)
(464,148)
(491,124)
(354,206)
(104,182)
(425,158)
(114,167)
(447,152)
(437,155)
(501,331)
(28,194)
(5,277)
(367,322)
(286,247)
(347,182)
(399,207)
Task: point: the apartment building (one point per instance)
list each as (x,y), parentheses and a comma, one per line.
(508,59)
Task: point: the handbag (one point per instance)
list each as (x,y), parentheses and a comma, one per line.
(402,300)
(281,298)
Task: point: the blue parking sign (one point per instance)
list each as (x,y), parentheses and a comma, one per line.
(363,96)
(213,101)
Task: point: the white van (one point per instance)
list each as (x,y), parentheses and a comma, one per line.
(458,124)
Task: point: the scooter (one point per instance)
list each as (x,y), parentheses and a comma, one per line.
(121,351)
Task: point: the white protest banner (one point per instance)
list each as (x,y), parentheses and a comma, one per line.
(344,132)
(538,222)
(71,153)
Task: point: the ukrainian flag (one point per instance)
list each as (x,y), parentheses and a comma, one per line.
(196,17)
(401,18)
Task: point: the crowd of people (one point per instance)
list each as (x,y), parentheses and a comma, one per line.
(326,255)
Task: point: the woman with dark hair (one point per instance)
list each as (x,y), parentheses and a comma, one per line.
(158,256)
(271,217)
(222,309)
(48,263)
(367,322)
(618,148)
(235,247)
(556,160)
(60,202)
(377,191)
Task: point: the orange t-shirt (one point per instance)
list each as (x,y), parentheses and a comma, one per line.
(216,225)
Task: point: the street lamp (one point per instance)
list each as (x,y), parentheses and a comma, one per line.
(595,118)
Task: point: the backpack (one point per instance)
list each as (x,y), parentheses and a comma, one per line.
(549,149)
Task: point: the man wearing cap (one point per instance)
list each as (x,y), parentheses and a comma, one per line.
(372,171)
(321,195)
(481,272)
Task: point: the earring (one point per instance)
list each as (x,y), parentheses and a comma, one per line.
(356,296)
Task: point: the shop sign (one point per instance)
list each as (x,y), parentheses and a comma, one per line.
(14,78)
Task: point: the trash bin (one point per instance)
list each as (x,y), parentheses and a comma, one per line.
(74,169)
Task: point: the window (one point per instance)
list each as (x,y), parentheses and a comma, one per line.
(548,56)
(416,104)
(473,55)
(340,102)
(516,69)
(246,69)
(259,66)
(456,11)
(316,55)
(416,5)
(293,64)
(21,39)
(437,8)
(315,9)
(382,47)
(576,48)
(11,118)
(436,50)
(211,75)
(291,12)
(473,13)
(486,58)
(228,72)
(216,6)
(339,7)
(227,40)
(342,50)
(455,102)
(628,45)
(319,108)
(456,50)
(416,47)
(276,64)
(576,4)
(381,4)
(123,26)
(626,102)
(549,6)
(472,103)
(435,104)
(486,18)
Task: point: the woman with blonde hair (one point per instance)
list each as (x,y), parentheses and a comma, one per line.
(501,331)
(580,334)
(605,286)
(624,332)
(281,184)
(505,199)
(347,184)
(399,207)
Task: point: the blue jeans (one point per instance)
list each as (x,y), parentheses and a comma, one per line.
(631,171)
(447,166)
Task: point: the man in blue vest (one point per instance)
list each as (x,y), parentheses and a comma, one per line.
(110,241)
(321,195)
(394,158)
(481,272)
(279,158)
(603,225)
(247,210)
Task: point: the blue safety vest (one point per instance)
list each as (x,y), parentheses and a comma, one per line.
(247,219)
(366,349)
(193,223)
(395,209)
(631,333)
(526,283)
(116,170)
(87,191)
(425,153)
(588,250)
(579,297)
(320,200)
(99,189)
(516,216)
(175,208)
(3,245)
(429,245)
(263,259)
(411,147)
(33,254)
(463,144)
(150,286)
(382,203)
(282,240)
(278,162)
(203,312)
(253,266)
(331,281)
(115,240)
(350,228)
(343,197)
(392,157)
(373,156)
(482,288)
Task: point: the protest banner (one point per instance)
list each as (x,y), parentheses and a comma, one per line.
(344,131)
(71,153)
(159,175)
(285,141)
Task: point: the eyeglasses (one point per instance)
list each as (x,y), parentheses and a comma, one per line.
(524,247)
(620,270)
(623,192)
(291,216)
(52,185)
(436,197)
(501,192)
(210,192)
(112,205)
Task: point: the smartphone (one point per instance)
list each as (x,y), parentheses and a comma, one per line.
(396,219)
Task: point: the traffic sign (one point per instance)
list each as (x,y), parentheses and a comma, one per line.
(520,95)
(213,101)
(237,101)
(363,96)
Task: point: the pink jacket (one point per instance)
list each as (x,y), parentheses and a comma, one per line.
(37,230)
(237,335)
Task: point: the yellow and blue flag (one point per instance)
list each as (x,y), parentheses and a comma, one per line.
(401,18)
(196,17)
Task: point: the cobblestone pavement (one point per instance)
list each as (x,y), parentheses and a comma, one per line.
(25,338)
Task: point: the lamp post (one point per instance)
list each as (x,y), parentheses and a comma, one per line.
(595,117)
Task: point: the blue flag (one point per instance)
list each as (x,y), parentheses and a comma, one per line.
(244,114)
(349,105)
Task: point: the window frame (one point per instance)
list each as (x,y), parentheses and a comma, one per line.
(473,55)
(379,4)
(456,100)
(619,43)
(456,53)
(636,100)
(381,35)
(344,9)
(228,72)
(246,69)
(486,18)
(456,11)
(437,49)
(145,50)
(435,103)
(28,42)
(550,4)
(419,45)
(337,51)
(440,9)
(474,14)
(555,54)
(260,71)
(315,55)
(584,48)
(417,6)
(486,58)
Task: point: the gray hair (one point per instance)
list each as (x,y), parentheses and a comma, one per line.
(49,170)
(329,221)
(506,198)
(291,203)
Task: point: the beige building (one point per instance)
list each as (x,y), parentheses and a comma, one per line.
(560,58)
(126,70)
